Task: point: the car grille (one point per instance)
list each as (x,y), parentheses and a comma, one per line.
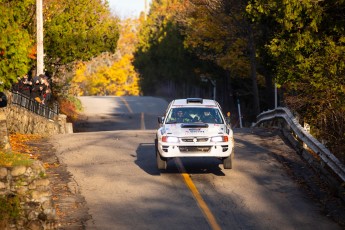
(194,139)
(195,148)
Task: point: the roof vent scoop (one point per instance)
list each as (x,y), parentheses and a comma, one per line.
(194,100)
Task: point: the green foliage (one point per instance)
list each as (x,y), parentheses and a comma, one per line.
(161,55)
(79,30)
(76,102)
(9,207)
(10,159)
(15,41)
(217,31)
(73,30)
(307,43)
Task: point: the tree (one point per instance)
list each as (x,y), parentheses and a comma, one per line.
(110,75)
(308,46)
(15,41)
(218,30)
(73,31)
(78,30)
(165,66)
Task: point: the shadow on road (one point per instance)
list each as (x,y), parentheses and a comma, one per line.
(146,160)
(106,122)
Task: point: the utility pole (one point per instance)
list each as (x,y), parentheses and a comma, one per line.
(213,82)
(39,18)
(214,88)
(275,96)
(239,112)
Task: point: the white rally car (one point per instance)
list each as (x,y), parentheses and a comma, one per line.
(194,127)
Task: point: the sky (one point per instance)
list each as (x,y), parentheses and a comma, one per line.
(128,8)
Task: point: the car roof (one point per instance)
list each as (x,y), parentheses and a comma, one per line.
(192,102)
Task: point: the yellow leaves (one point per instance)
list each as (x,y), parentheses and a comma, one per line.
(48,165)
(13,159)
(124,79)
(118,80)
(22,153)
(19,142)
(118,76)
(79,74)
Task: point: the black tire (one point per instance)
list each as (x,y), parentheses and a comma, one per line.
(161,161)
(228,161)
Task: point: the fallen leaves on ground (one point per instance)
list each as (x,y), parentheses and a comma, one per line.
(19,143)
(23,144)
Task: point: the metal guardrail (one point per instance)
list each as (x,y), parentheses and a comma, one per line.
(325,155)
(35,107)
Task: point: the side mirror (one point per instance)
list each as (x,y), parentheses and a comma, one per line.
(160,120)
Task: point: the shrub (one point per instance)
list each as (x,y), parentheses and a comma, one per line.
(9,208)
(70,106)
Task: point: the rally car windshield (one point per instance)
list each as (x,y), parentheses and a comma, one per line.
(194,115)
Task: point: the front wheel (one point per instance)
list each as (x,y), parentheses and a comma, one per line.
(228,161)
(161,161)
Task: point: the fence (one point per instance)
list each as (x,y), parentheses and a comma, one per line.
(35,107)
(326,157)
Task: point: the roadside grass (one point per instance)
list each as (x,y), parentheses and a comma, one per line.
(11,159)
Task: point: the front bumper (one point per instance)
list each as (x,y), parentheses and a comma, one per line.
(208,149)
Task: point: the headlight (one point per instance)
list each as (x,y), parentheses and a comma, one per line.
(220,139)
(169,139)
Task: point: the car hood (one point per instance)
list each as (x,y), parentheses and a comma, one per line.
(194,129)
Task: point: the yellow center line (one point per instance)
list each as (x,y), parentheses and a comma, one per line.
(126,104)
(142,118)
(201,203)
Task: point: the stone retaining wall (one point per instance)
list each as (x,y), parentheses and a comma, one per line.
(28,184)
(4,141)
(31,187)
(21,120)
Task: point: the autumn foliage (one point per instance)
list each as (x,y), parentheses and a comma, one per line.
(253,45)
(21,153)
(71,107)
(110,74)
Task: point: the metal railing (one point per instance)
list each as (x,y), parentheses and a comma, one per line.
(325,155)
(30,104)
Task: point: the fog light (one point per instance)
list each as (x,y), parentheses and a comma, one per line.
(220,139)
(169,139)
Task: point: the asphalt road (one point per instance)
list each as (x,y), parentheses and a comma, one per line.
(120,113)
(113,161)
